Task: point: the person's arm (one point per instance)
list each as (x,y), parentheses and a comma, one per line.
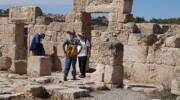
(80,45)
(88,48)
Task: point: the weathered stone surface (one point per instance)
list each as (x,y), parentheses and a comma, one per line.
(37,29)
(135,53)
(149,28)
(70,94)
(15,96)
(146,39)
(43,20)
(57,26)
(41,80)
(132,27)
(20,67)
(5,63)
(174,87)
(4,20)
(39,66)
(24,14)
(173,41)
(98,75)
(178,98)
(113,75)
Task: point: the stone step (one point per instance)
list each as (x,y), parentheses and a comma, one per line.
(70,94)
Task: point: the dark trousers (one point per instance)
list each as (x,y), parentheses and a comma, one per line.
(82,65)
(38,52)
(70,61)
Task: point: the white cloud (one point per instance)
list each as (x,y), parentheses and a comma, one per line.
(35,2)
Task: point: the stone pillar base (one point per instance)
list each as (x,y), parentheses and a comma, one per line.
(39,66)
(20,67)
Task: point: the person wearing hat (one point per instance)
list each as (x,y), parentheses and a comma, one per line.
(36,45)
(83,55)
(70,49)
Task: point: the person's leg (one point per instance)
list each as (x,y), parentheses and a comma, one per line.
(67,67)
(80,64)
(35,52)
(74,68)
(84,60)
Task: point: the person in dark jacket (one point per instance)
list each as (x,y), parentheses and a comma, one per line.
(36,45)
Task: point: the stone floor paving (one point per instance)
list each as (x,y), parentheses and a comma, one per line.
(17,87)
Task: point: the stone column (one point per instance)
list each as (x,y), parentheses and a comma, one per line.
(109,64)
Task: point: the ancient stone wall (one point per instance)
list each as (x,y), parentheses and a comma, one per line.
(147,52)
(12,41)
(55,36)
(148,56)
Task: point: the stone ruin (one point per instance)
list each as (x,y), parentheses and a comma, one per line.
(139,52)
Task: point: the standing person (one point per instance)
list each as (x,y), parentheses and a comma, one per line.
(83,55)
(36,45)
(70,49)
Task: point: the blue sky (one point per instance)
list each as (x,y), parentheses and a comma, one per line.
(144,8)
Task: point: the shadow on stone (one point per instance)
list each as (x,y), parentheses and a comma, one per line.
(56,61)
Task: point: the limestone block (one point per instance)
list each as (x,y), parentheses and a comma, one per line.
(14,96)
(178,98)
(39,66)
(152,73)
(60,51)
(174,87)
(170,56)
(146,39)
(49,47)
(4,20)
(113,75)
(20,67)
(128,69)
(173,41)
(98,75)
(124,18)
(70,93)
(7,28)
(5,63)
(140,73)
(43,20)
(100,8)
(135,53)
(132,27)
(123,37)
(38,29)
(149,28)
(24,14)
(111,52)
(57,26)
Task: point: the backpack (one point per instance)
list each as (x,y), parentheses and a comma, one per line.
(72,50)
